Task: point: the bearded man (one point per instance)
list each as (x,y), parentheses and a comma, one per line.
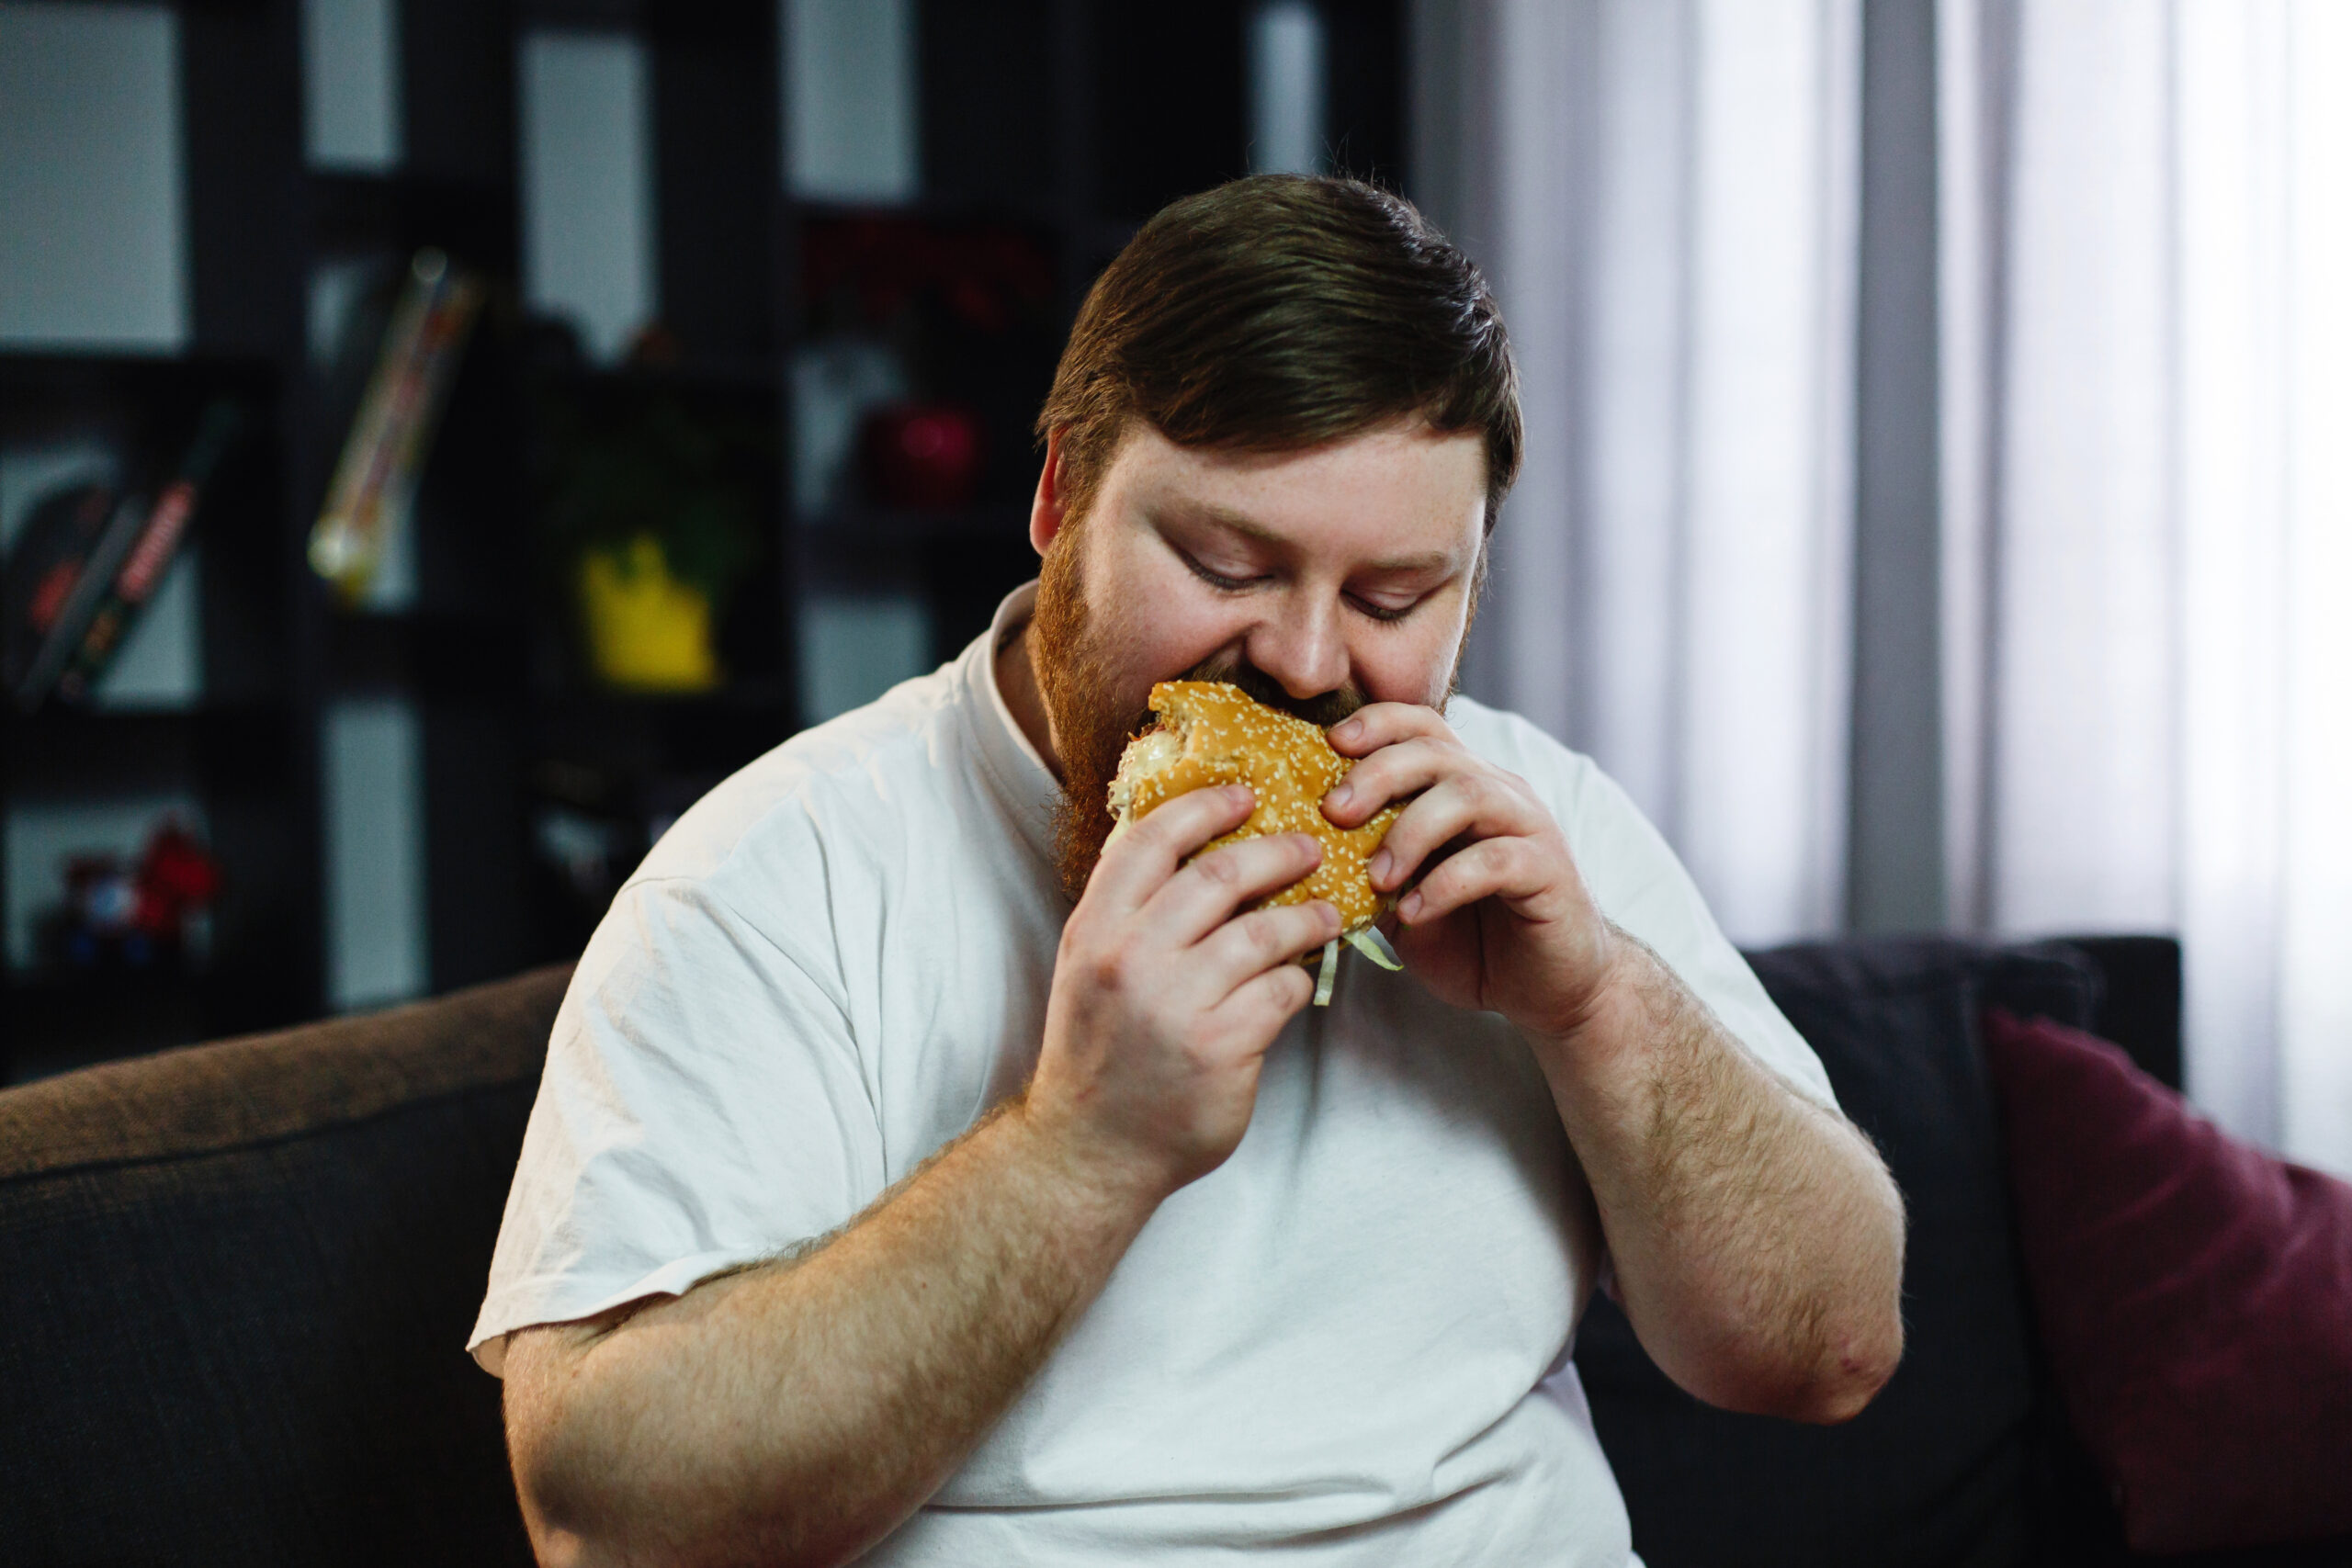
(916,1176)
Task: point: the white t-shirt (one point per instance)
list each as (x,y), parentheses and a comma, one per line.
(1349,1342)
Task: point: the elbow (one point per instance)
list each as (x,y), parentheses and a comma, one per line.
(1824,1388)
(1847,1380)
(605,1474)
(571,1527)
(1824,1391)
(572,1524)
(563,1475)
(1857,1340)
(1824,1366)
(550,1503)
(579,1513)
(1855,1348)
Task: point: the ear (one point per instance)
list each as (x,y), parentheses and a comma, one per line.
(1046,508)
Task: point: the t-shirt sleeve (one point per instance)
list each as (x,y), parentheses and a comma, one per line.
(1641,885)
(704,1106)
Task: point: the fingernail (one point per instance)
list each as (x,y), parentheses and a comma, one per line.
(1238,793)
(1380,864)
(1411,908)
(1339,798)
(1347,729)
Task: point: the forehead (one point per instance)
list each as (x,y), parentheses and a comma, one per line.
(1400,487)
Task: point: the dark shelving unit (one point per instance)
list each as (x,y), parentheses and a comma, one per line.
(1049,128)
(239,752)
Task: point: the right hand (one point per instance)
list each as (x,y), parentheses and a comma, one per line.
(1164,1000)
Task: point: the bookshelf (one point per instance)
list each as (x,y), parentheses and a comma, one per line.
(1041,132)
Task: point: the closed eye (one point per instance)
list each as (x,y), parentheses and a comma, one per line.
(1369,608)
(1379,612)
(1216,579)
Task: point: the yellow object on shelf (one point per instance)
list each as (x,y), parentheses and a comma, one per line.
(647,630)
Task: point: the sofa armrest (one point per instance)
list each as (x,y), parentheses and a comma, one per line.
(236,1284)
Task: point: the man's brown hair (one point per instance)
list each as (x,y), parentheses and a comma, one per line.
(1279,312)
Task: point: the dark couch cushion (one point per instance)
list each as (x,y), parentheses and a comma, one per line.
(236,1281)
(2194,1296)
(1935,1470)
(2139,1000)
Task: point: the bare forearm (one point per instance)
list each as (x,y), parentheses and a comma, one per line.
(1757,1239)
(796,1411)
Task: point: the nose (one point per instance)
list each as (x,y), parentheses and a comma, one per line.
(1302,647)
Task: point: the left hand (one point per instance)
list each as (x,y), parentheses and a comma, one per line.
(1501,921)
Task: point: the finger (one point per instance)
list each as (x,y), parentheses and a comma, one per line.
(1392,774)
(1248,946)
(1147,854)
(1513,870)
(1259,1007)
(1204,895)
(1482,805)
(1376,725)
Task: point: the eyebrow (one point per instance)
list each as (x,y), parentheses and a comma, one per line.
(1235,521)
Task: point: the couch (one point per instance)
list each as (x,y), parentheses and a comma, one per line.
(236,1279)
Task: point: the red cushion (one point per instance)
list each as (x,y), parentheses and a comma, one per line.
(2195,1297)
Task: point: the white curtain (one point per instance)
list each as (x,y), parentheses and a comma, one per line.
(1664,194)
(2143,387)
(2147,528)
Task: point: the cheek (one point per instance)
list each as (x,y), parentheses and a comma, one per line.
(1411,664)
(1159,619)
(1392,675)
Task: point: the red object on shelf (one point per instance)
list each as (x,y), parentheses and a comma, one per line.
(925,456)
(154,913)
(176,878)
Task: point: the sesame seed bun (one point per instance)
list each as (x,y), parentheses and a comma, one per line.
(1212,733)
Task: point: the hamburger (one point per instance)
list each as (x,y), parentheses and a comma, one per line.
(1210,732)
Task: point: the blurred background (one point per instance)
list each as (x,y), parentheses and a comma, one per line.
(441,438)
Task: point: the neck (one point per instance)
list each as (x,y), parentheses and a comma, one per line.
(1017,678)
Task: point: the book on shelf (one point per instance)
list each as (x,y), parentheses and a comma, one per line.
(151,550)
(90,558)
(53,579)
(374,488)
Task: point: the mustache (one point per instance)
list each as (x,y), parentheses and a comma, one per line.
(1323,710)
